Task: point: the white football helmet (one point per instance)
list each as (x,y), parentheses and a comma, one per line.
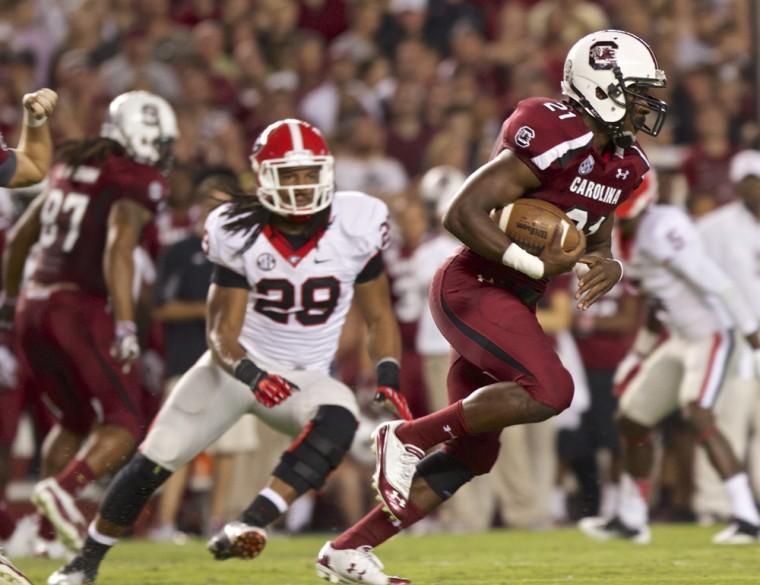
(439,185)
(608,73)
(144,124)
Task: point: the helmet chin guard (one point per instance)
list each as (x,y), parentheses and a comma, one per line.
(291,144)
(608,74)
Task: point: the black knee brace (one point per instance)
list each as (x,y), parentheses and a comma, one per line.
(444,473)
(131,489)
(318,449)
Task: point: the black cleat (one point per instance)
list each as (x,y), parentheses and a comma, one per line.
(237,540)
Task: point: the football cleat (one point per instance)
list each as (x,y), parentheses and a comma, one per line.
(738,532)
(237,540)
(22,542)
(353,565)
(604,529)
(10,575)
(78,572)
(394,469)
(59,507)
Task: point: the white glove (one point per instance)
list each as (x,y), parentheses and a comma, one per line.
(8,369)
(125,348)
(756,362)
(626,371)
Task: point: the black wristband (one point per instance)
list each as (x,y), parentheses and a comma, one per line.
(248,372)
(388,374)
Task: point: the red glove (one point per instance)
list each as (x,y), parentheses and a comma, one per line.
(394,401)
(269,389)
(387,393)
(272,389)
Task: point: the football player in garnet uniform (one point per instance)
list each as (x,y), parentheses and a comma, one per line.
(579,154)
(24,165)
(287,264)
(74,320)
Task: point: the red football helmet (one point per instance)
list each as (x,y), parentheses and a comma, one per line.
(292,143)
(644,195)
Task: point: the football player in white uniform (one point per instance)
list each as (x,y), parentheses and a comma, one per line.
(686,371)
(288,263)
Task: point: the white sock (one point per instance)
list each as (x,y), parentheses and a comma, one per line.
(610,503)
(632,509)
(742,502)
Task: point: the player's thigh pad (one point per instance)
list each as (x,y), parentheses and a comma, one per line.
(202,406)
(653,393)
(707,364)
(316,389)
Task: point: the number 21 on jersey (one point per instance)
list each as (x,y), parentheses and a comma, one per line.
(72,204)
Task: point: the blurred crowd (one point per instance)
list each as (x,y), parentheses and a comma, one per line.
(398,87)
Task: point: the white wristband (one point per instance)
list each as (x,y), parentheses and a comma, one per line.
(33,121)
(621,268)
(519,259)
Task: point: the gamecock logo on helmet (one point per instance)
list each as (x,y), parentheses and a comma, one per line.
(603,55)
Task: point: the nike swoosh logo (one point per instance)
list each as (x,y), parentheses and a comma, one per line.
(321,260)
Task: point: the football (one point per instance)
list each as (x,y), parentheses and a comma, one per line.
(531,224)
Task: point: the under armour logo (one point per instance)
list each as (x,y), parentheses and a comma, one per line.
(395,498)
(482,279)
(622,174)
(447,429)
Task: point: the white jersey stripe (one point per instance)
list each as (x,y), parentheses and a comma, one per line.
(295,136)
(642,155)
(544,160)
(720,355)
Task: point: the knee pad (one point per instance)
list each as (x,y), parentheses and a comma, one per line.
(477,453)
(444,473)
(318,449)
(131,489)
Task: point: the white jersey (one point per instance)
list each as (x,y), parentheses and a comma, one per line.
(670,263)
(299,298)
(427,259)
(732,238)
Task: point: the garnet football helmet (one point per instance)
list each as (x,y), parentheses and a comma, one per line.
(608,73)
(645,195)
(144,124)
(290,144)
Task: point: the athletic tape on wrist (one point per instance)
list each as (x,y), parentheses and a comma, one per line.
(519,259)
(33,121)
(622,270)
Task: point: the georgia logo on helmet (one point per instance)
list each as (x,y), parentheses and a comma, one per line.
(292,144)
(145,125)
(643,196)
(607,73)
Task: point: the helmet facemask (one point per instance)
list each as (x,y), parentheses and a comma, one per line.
(282,199)
(631,94)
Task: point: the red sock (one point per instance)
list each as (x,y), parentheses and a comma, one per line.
(75,477)
(46,531)
(428,431)
(7,524)
(645,488)
(375,528)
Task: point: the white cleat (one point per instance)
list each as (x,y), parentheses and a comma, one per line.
(237,540)
(604,529)
(10,575)
(394,469)
(23,540)
(60,508)
(353,565)
(738,532)
(74,578)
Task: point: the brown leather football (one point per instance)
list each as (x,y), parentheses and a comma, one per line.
(531,223)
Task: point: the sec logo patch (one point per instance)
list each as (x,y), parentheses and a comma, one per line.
(266,261)
(524,136)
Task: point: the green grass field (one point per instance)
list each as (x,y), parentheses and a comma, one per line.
(679,555)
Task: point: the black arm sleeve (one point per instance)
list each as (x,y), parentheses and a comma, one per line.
(225,277)
(372,269)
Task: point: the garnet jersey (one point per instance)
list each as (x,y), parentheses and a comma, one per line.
(553,140)
(74,217)
(299,298)
(7,163)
